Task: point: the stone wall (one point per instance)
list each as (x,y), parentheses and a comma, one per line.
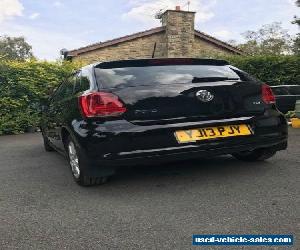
(202,48)
(137,48)
(179,32)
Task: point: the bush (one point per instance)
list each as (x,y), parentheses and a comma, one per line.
(274,70)
(24,87)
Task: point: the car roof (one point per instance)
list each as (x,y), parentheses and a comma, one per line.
(159,61)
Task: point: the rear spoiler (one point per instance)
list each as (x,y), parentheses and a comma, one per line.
(160,62)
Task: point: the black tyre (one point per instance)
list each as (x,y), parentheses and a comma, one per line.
(255,155)
(78,166)
(47,145)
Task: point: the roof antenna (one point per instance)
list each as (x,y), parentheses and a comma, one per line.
(188,5)
(64,53)
(159,13)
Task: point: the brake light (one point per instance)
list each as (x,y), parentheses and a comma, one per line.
(267,94)
(101,104)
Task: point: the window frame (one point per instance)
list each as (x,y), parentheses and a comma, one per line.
(54,94)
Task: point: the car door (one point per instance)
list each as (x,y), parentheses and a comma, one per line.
(48,118)
(58,109)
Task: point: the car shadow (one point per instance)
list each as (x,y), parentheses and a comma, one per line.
(196,169)
(173,173)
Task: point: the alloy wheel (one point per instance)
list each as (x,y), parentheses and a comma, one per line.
(74,161)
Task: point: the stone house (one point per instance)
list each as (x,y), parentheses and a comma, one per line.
(176,37)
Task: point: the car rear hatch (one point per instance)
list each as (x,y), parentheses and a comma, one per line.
(161,91)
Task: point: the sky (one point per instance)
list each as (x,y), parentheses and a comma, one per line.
(50,25)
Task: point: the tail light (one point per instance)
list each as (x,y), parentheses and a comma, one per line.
(267,94)
(101,104)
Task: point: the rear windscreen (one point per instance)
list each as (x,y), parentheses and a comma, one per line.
(166,74)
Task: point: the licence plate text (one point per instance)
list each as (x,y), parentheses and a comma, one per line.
(192,135)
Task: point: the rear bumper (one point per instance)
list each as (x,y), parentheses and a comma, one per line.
(119,142)
(168,155)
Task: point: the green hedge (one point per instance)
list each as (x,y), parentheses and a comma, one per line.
(25,86)
(274,70)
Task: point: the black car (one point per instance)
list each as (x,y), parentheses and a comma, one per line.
(286,97)
(130,112)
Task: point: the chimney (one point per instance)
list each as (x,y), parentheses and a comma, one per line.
(179,32)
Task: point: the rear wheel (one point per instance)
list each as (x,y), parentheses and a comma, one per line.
(78,166)
(255,155)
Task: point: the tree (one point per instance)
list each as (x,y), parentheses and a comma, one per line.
(296,46)
(15,48)
(233,42)
(296,19)
(270,39)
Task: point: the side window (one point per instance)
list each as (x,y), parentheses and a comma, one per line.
(83,81)
(64,90)
(57,94)
(76,82)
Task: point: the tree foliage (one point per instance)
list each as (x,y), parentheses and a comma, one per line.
(296,19)
(271,39)
(15,48)
(24,87)
(296,47)
(274,70)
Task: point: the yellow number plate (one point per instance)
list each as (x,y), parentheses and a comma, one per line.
(193,135)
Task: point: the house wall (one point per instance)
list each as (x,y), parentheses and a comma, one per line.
(202,48)
(137,48)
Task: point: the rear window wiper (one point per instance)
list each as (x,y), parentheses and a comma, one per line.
(213,79)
